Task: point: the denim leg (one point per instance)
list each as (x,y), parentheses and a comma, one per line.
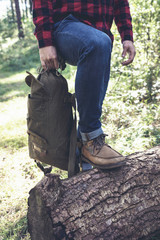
(89,49)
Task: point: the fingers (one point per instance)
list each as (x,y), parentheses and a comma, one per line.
(43,65)
(129,48)
(56,63)
(48,58)
(52,63)
(130,59)
(124,52)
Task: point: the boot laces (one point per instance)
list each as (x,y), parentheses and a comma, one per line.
(99,142)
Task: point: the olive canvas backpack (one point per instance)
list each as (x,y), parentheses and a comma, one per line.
(51,121)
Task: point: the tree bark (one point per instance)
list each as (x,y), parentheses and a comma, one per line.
(19,22)
(22,9)
(119,204)
(30,4)
(12,10)
(26,8)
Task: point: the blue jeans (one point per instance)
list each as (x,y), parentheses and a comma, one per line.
(90,50)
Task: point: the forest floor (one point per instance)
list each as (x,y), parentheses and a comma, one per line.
(131,127)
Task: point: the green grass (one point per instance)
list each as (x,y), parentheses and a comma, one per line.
(131,128)
(18,172)
(19,227)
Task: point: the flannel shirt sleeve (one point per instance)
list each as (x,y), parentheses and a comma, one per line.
(42,18)
(123,19)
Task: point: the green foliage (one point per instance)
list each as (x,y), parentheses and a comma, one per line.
(132,120)
(17,230)
(143,75)
(7,28)
(131,127)
(16,54)
(14,143)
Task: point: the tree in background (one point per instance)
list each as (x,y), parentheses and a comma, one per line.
(19,22)
(30,4)
(12,10)
(26,8)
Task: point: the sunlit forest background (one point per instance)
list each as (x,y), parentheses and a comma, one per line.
(131,110)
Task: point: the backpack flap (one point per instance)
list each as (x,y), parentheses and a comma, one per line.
(37,88)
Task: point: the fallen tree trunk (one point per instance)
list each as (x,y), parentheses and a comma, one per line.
(120,204)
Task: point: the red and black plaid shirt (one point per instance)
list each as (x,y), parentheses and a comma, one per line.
(97,13)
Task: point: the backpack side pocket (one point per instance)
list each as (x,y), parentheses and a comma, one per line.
(37,127)
(37,146)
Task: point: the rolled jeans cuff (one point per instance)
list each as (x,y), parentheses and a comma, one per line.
(91,135)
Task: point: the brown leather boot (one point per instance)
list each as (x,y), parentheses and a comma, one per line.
(100,155)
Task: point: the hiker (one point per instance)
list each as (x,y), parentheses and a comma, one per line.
(79,31)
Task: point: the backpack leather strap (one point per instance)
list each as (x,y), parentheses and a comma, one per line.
(73,142)
(45,170)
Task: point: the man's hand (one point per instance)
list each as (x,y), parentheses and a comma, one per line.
(129,48)
(48,57)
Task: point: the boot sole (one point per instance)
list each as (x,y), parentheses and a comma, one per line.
(109,166)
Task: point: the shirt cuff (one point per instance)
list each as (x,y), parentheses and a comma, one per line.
(45,38)
(128,35)
(45,43)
